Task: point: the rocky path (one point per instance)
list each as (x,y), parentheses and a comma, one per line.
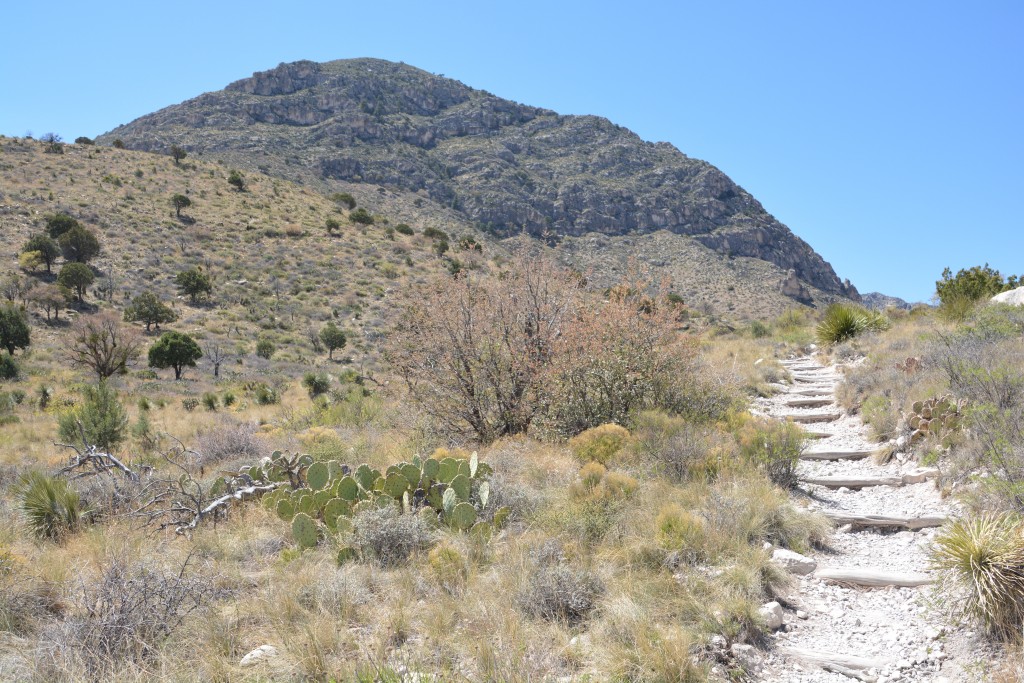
(858,611)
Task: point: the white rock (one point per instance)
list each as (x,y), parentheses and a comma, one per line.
(260,654)
(919,474)
(746,656)
(800,614)
(772,613)
(1014,297)
(794,563)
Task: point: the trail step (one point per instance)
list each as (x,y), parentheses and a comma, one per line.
(810,418)
(852,666)
(820,379)
(835,455)
(871,578)
(838,482)
(810,402)
(885,521)
(811,391)
(817,435)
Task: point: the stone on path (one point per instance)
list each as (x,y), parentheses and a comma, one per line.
(792,562)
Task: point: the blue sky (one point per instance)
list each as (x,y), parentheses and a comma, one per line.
(886,134)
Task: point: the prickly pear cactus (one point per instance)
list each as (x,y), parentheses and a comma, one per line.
(462,487)
(285,509)
(318,475)
(462,516)
(304,530)
(940,416)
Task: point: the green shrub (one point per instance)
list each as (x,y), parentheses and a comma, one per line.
(879,413)
(972,284)
(210,401)
(345,199)
(846,321)
(599,444)
(772,446)
(982,563)
(404,229)
(361,216)
(759,330)
(52,508)
(99,421)
(265,348)
(316,383)
(265,395)
(229,399)
(190,403)
(8,367)
(435,234)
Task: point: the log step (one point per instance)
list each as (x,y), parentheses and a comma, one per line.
(819,379)
(835,455)
(885,521)
(817,435)
(871,578)
(837,482)
(811,391)
(853,666)
(810,402)
(811,418)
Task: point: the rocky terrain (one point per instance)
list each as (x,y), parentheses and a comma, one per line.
(443,150)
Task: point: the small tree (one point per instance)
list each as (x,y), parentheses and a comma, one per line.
(972,284)
(48,249)
(100,421)
(174,350)
(76,277)
(54,143)
(236,180)
(14,333)
(30,261)
(79,244)
(194,283)
(178,153)
(147,308)
(333,338)
(51,298)
(82,140)
(60,223)
(265,348)
(179,202)
(101,344)
(217,356)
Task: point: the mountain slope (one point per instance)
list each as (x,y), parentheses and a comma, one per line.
(503,167)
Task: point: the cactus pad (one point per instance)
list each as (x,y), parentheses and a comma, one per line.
(285,509)
(462,487)
(317,476)
(462,516)
(304,530)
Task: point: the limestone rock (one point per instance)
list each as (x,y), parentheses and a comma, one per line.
(793,288)
(773,616)
(746,656)
(259,655)
(1014,297)
(794,563)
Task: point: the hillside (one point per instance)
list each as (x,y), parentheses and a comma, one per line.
(436,149)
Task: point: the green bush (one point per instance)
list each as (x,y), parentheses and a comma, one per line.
(772,446)
(345,199)
(265,395)
(210,401)
(403,229)
(599,444)
(759,330)
(99,421)
(361,216)
(8,367)
(190,403)
(265,348)
(316,383)
(972,284)
(846,321)
(982,563)
(51,507)
(435,234)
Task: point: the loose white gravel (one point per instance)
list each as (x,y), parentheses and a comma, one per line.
(896,624)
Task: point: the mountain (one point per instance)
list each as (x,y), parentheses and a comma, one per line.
(880,302)
(435,149)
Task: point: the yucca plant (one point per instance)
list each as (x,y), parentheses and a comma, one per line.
(983,559)
(843,321)
(52,508)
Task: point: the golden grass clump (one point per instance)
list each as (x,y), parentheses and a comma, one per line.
(599,444)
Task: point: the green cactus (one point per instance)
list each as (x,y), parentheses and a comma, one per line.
(320,498)
(462,487)
(448,501)
(395,485)
(365,476)
(447,470)
(939,416)
(318,475)
(411,473)
(285,509)
(462,516)
(464,468)
(304,530)
(346,554)
(348,489)
(430,468)
(335,470)
(501,517)
(333,509)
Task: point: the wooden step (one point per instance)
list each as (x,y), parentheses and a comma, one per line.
(858,521)
(843,481)
(817,435)
(811,391)
(871,578)
(810,402)
(835,455)
(820,379)
(810,418)
(852,666)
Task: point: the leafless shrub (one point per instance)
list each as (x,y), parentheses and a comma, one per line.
(230,441)
(558,591)
(389,537)
(120,620)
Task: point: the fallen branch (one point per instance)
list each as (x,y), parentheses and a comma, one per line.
(241,494)
(99,461)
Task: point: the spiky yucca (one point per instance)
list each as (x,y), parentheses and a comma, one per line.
(843,321)
(51,506)
(983,557)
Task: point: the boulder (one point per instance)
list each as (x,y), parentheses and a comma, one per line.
(1014,297)
(259,655)
(792,562)
(772,614)
(746,656)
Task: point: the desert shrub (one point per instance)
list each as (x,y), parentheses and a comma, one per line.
(389,537)
(345,199)
(229,399)
(51,507)
(772,446)
(972,284)
(403,229)
(120,620)
(265,348)
(435,234)
(230,441)
(190,403)
(361,216)
(557,591)
(316,383)
(100,420)
(8,367)
(879,413)
(982,563)
(841,322)
(210,401)
(448,567)
(265,395)
(759,330)
(681,532)
(673,447)
(599,444)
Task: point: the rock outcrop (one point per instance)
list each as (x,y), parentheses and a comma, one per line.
(506,167)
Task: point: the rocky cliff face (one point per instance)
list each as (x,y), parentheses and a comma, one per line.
(506,167)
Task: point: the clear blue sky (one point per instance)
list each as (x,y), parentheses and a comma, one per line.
(886,134)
